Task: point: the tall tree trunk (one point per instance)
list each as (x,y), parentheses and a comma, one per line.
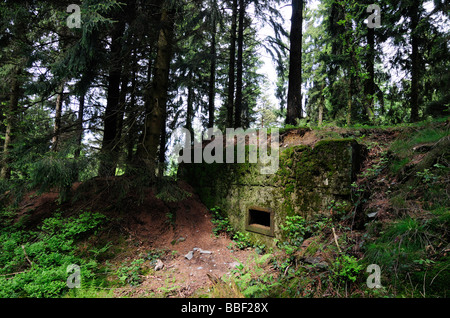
(11,122)
(231,68)
(58,113)
(351,76)
(108,151)
(349,101)
(121,108)
(130,111)
(239,72)
(415,61)
(321,106)
(3,101)
(80,125)
(320,120)
(369,86)
(190,105)
(380,97)
(212,74)
(294,99)
(155,104)
(162,148)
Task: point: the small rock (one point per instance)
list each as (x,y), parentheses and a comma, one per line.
(234,264)
(201,251)
(313,260)
(322,265)
(189,255)
(200,267)
(318,262)
(159,265)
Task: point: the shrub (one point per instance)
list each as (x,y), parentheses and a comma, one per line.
(242,240)
(54,171)
(346,269)
(33,264)
(253,281)
(295,229)
(131,274)
(220,221)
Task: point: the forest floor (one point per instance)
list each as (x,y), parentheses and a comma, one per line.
(151,230)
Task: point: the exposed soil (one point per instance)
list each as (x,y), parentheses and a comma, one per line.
(192,228)
(297,137)
(175,228)
(35,207)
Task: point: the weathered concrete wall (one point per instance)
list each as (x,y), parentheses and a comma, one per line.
(307,181)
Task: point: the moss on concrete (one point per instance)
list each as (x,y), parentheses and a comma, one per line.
(307,180)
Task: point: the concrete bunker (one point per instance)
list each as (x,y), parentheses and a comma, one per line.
(310,178)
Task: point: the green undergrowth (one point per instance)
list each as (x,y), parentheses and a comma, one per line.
(290,270)
(410,239)
(34,263)
(38,263)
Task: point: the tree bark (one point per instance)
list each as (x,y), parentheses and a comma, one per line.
(349,100)
(294,99)
(80,125)
(11,122)
(162,148)
(108,151)
(231,68)
(155,103)
(212,74)
(58,113)
(321,106)
(239,71)
(190,105)
(352,79)
(121,108)
(370,82)
(415,60)
(131,118)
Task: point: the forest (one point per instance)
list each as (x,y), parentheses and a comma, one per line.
(91,92)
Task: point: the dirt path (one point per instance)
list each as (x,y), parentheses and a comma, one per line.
(181,277)
(191,234)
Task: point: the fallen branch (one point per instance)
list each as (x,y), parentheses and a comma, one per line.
(26,256)
(335,240)
(10,274)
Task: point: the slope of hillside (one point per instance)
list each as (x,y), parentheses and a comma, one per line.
(132,240)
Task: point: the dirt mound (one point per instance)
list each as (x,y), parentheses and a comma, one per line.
(297,137)
(148,218)
(149,223)
(36,207)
